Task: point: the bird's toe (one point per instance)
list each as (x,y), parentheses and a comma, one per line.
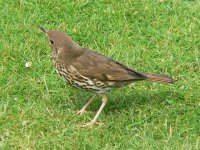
(81,112)
(91,124)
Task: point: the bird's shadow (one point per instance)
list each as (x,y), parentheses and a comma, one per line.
(125,100)
(140,100)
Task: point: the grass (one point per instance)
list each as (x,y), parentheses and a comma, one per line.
(37,108)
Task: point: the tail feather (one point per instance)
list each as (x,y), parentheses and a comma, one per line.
(159,78)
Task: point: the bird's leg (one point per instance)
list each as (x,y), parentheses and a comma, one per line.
(94,121)
(83,110)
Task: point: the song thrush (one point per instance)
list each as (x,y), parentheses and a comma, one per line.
(86,69)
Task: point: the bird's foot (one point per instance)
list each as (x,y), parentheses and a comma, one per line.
(91,124)
(82,111)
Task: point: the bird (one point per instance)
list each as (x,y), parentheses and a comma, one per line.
(87,69)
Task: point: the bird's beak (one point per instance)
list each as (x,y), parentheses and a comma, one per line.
(44,30)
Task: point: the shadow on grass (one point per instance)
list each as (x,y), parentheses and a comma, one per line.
(140,100)
(125,99)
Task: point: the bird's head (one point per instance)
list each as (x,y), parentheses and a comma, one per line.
(57,38)
(60,42)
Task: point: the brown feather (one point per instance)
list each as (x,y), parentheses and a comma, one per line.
(159,78)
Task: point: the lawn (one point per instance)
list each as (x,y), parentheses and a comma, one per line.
(37,108)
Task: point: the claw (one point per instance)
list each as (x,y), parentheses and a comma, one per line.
(81,112)
(91,124)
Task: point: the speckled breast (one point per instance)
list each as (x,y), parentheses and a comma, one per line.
(74,78)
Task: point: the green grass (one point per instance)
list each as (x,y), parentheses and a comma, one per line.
(37,108)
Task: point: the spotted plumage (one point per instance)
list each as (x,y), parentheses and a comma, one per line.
(89,70)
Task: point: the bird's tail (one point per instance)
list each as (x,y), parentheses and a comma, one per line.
(159,78)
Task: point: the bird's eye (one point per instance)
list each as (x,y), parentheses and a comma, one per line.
(51,41)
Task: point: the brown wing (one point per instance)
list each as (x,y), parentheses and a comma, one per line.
(97,66)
